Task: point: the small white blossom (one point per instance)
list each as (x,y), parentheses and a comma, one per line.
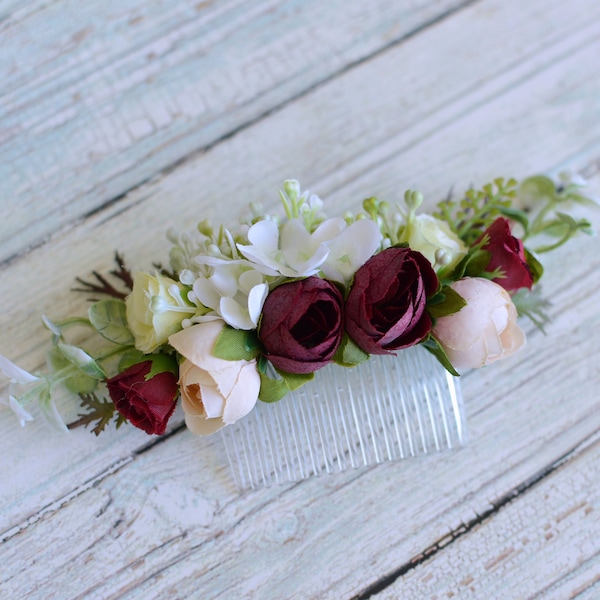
(350,250)
(233,289)
(20,381)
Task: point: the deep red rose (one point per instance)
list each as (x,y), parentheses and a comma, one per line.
(385,309)
(302,324)
(507,253)
(146,404)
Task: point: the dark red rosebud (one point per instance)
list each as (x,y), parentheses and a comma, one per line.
(302,324)
(507,253)
(385,309)
(146,404)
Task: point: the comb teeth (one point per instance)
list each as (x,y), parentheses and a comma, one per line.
(388,408)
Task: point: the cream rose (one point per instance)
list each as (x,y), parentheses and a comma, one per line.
(214,392)
(155,310)
(483,331)
(435,240)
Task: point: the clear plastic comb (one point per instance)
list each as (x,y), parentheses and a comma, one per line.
(388,408)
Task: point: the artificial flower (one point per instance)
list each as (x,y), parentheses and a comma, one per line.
(19,383)
(146,403)
(507,254)
(302,325)
(483,331)
(385,309)
(234,290)
(434,239)
(214,392)
(155,310)
(350,249)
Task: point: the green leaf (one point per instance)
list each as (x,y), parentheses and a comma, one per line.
(537,270)
(236,344)
(109,318)
(130,358)
(82,360)
(476,262)
(295,380)
(438,351)
(75,380)
(451,303)
(162,363)
(349,354)
(271,390)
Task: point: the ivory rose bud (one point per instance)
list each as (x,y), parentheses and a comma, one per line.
(483,331)
(301,326)
(436,241)
(214,392)
(154,310)
(385,309)
(507,253)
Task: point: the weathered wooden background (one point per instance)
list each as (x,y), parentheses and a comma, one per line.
(119,118)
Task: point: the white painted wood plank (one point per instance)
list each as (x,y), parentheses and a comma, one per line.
(279,528)
(97,97)
(504,451)
(170,522)
(528,549)
(93,239)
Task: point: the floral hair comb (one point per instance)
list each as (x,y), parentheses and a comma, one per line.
(255,312)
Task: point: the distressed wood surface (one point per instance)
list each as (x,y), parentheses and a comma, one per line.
(98,97)
(491,88)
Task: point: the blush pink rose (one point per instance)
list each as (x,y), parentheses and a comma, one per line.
(483,331)
(214,392)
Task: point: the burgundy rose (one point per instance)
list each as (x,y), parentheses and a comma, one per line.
(385,309)
(507,253)
(301,326)
(146,404)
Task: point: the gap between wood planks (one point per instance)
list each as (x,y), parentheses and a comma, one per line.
(243,126)
(86,485)
(519,490)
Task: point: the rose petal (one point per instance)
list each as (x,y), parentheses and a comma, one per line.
(243,395)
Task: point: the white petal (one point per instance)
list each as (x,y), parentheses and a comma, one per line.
(15,373)
(300,252)
(265,235)
(235,315)
(256,299)
(201,425)
(248,279)
(244,394)
(196,343)
(18,409)
(205,292)
(351,249)
(328,230)
(212,401)
(225,281)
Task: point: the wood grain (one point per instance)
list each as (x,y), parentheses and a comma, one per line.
(97,98)
(113,517)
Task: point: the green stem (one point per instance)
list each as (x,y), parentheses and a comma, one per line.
(74,321)
(114,352)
